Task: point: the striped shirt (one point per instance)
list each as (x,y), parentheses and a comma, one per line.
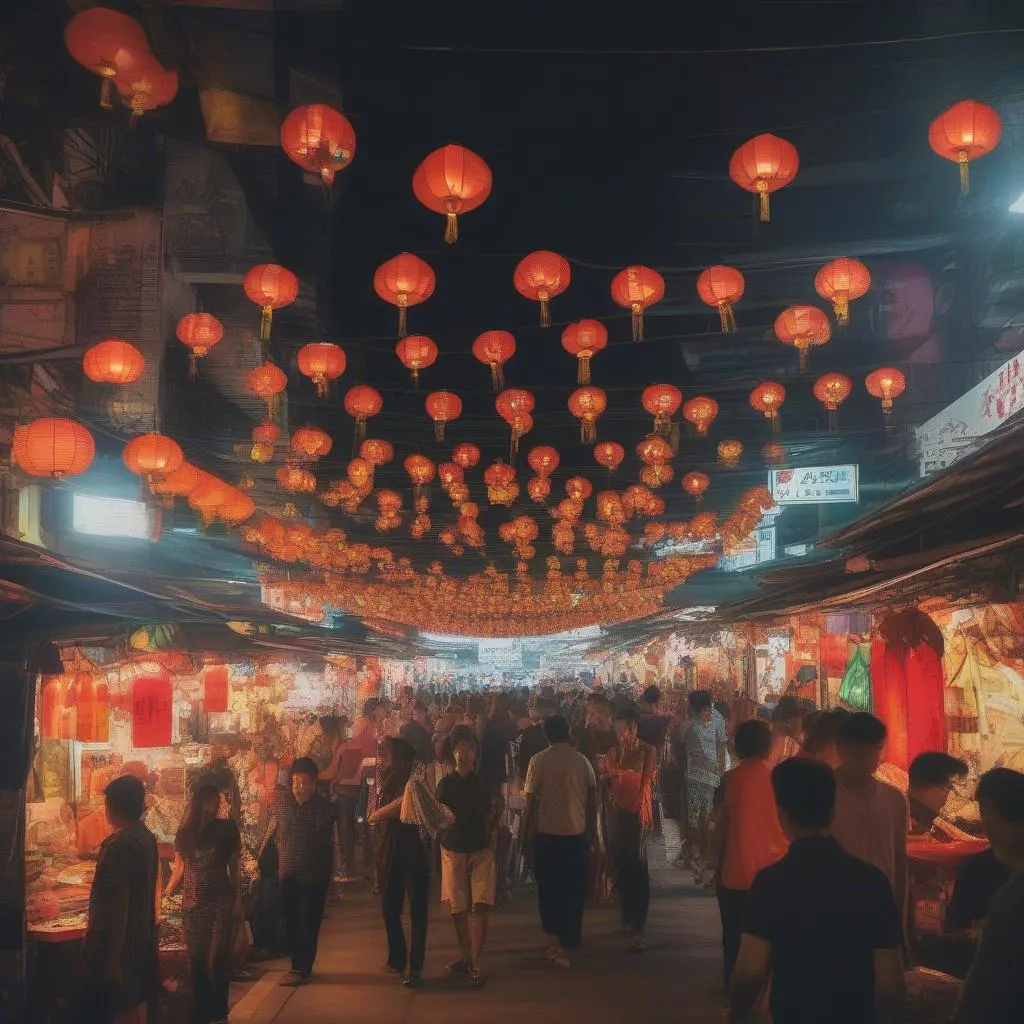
(558,779)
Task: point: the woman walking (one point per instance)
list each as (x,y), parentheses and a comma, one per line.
(705,745)
(207,853)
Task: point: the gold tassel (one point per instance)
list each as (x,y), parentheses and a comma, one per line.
(401,316)
(583,376)
(765,201)
(451,229)
(726,317)
(588,431)
(360,429)
(193,366)
(107,86)
(545,312)
(273,407)
(805,353)
(833,419)
(497,377)
(776,420)
(841,307)
(638,322)
(965,173)
(322,385)
(513,450)
(439,430)
(415,378)
(673,437)
(265,322)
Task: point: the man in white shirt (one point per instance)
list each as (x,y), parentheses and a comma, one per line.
(560,815)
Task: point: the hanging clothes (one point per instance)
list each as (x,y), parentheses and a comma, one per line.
(855,689)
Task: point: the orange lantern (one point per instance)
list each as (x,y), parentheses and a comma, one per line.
(701,412)
(443,407)
(587,404)
(656,474)
(609,454)
(963,133)
(113,361)
(377,452)
(144,83)
(832,389)
(722,287)
(543,460)
(271,287)
(416,352)
(654,449)
(494,349)
(661,401)
(179,483)
(763,165)
(583,339)
(209,496)
(404,280)
(886,383)
(360,474)
(421,471)
(502,488)
(361,403)
(52,447)
(295,479)
(579,488)
(802,327)
(637,288)
(841,282)
(730,453)
(236,508)
(322,362)
(152,455)
(263,437)
(450,474)
(310,443)
(696,485)
(773,454)
(320,139)
(200,332)
(466,455)
(450,181)
(767,398)
(100,40)
(541,276)
(514,406)
(268,382)
(539,488)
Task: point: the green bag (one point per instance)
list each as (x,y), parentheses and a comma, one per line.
(855,689)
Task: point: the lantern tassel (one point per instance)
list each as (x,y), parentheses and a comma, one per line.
(804,354)
(401,320)
(439,430)
(583,373)
(265,321)
(360,429)
(322,385)
(841,307)
(451,229)
(497,377)
(273,407)
(513,449)
(776,421)
(545,313)
(107,88)
(965,173)
(673,437)
(193,366)
(638,322)
(764,201)
(723,316)
(415,378)
(588,431)
(833,419)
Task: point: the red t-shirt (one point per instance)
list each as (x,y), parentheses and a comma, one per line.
(755,838)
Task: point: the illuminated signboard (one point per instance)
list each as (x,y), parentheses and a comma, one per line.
(814,485)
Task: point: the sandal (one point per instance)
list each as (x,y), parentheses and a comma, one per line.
(640,943)
(456,968)
(476,980)
(561,961)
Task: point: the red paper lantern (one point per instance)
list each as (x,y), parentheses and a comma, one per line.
(583,339)
(179,483)
(263,437)
(320,139)
(886,383)
(295,479)
(271,287)
(587,404)
(416,352)
(361,403)
(638,288)
(730,453)
(661,401)
(578,488)
(443,407)
(543,460)
(832,389)
(144,83)
(209,496)
(767,398)
(101,40)
(502,488)
(466,455)
(322,362)
(200,332)
(236,509)
(216,695)
(113,361)
(803,327)
(539,488)
(152,455)
(494,349)
(701,412)
(404,280)
(450,181)
(450,473)
(541,276)
(609,454)
(514,406)
(653,450)
(310,443)
(152,708)
(52,447)
(696,485)
(268,382)
(722,287)
(377,452)
(421,471)
(963,133)
(763,165)
(841,282)
(360,473)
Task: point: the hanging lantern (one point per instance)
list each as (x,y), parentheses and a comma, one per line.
(450,474)
(502,488)
(263,437)
(361,403)
(609,454)
(773,454)
(513,404)
(450,181)
(360,474)
(100,40)
(696,485)
(466,455)
(322,362)
(52,447)
(404,280)
(268,382)
(701,412)
(416,352)
(310,443)
(377,452)
(832,389)
(216,695)
(583,339)
(841,282)
(539,488)
(236,509)
(144,83)
(654,449)
(152,455)
(730,453)
(320,139)
(494,349)
(209,496)
(587,404)
(543,460)
(295,480)
(421,471)
(661,401)
(179,483)
(113,361)
(803,327)
(638,288)
(767,398)
(200,332)
(963,133)
(721,288)
(763,165)
(443,407)
(152,708)
(271,287)
(578,488)
(886,383)
(540,277)
(657,474)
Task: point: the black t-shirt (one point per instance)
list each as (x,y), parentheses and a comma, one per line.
(978,879)
(493,751)
(652,730)
(419,739)
(533,742)
(469,799)
(824,913)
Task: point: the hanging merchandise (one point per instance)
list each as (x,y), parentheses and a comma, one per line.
(52,447)
(701,412)
(583,339)
(113,361)
(887,384)
(963,133)
(152,709)
(452,181)
(416,352)
(404,280)
(320,139)
(832,389)
(494,349)
(721,288)
(323,362)
(443,407)
(803,327)
(763,165)
(637,288)
(271,287)
(841,282)
(541,276)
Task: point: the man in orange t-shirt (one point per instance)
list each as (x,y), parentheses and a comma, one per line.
(747,835)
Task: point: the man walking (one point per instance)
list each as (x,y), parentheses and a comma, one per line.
(561,814)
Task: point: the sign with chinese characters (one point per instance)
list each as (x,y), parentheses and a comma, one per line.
(814,485)
(944,438)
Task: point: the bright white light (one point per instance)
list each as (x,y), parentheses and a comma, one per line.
(110,517)
(1018,205)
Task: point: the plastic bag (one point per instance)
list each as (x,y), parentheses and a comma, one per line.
(855,689)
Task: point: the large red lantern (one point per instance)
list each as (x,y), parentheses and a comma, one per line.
(320,139)
(152,708)
(216,693)
(152,455)
(466,455)
(609,454)
(638,288)
(886,383)
(803,327)
(102,40)
(502,488)
(443,407)
(701,412)
(538,488)
(963,133)
(721,288)
(53,447)
(450,181)
(209,496)
(583,339)
(653,450)
(541,276)
(271,287)
(421,471)
(268,382)
(200,332)
(322,362)
(763,165)
(376,451)
(404,280)
(494,349)
(237,508)
(361,403)
(543,460)
(587,404)
(767,398)
(696,485)
(144,83)
(578,488)
(416,352)
(294,479)
(263,437)
(832,389)
(514,406)
(661,401)
(841,282)
(179,483)
(310,443)
(113,361)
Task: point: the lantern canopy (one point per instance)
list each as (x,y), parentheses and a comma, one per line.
(404,280)
(721,287)
(494,349)
(541,276)
(322,362)
(841,282)
(637,288)
(763,165)
(450,181)
(320,139)
(271,287)
(963,133)
(113,361)
(52,447)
